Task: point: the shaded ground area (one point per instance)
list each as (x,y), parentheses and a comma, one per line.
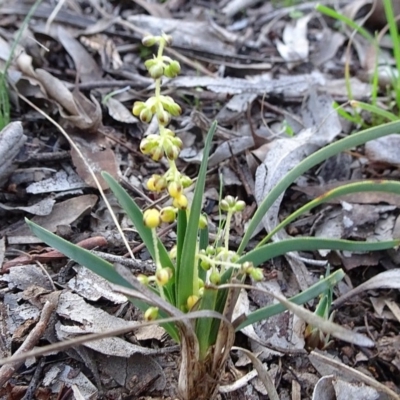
(269,74)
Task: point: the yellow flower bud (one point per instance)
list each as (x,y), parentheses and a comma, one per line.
(149,41)
(160,183)
(205,265)
(163,276)
(215,277)
(138,106)
(145,115)
(163,117)
(173,252)
(143,279)
(156,71)
(175,189)
(191,301)
(157,153)
(186,181)
(180,202)
(151,218)
(151,314)
(257,274)
(168,214)
(203,222)
(240,205)
(224,205)
(172,153)
(151,184)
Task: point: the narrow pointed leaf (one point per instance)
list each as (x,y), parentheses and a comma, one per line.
(185,273)
(319,156)
(356,187)
(261,254)
(311,293)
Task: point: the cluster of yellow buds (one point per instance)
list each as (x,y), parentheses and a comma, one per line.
(165,143)
(232,204)
(215,260)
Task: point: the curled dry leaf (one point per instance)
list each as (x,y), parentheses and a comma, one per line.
(74,107)
(12,139)
(331,387)
(385,280)
(85,65)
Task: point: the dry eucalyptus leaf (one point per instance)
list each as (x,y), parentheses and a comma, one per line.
(295,47)
(331,387)
(93,287)
(86,67)
(94,320)
(27,275)
(63,213)
(385,280)
(286,86)
(61,375)
(384,149)
(134,372)
(98,154)
(74,107)
(60,182)
(193,35)
(43,207)
(12,139)
(119,112)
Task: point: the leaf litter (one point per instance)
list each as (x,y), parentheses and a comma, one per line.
(246,63)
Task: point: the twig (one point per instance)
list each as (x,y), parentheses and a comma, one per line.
(7,371)
(30,392)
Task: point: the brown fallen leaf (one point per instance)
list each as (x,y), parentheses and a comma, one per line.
(97,152)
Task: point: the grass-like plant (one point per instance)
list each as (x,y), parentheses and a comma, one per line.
(378,114)
(203,277)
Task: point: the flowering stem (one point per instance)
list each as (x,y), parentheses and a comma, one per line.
(227,228)
(157,260)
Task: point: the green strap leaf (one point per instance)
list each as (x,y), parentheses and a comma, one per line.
(355,187)
(319,156)
(185,273)
(80,255)
(203,325)
(311,293)
(94,263)
(264,253)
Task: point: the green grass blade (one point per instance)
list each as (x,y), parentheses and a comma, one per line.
(394,34)
(136,216)
(271,250)
(94,263)
(356,187)
(319,156)
(185,274)
(203,325)
(79,255)
(203,243)
(311,293)
(330,12)
(375,110)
